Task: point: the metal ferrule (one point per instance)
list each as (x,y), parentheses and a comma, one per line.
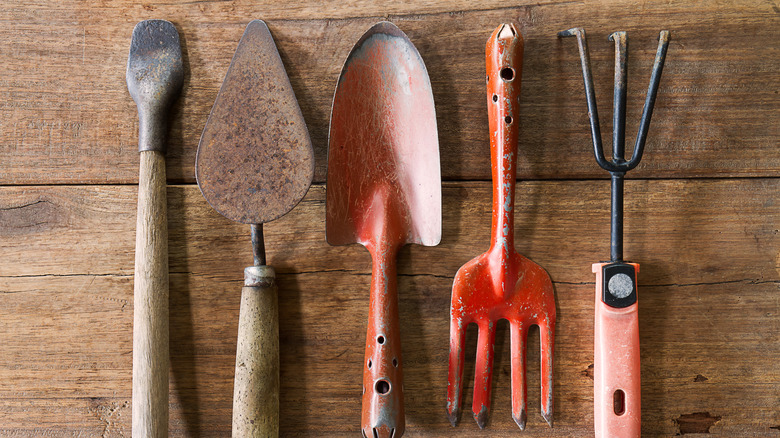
(259,276)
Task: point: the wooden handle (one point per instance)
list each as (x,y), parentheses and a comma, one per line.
(383,398)
(150,302)
(256,388)
(616,372)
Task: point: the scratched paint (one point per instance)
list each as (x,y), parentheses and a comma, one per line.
(501,284)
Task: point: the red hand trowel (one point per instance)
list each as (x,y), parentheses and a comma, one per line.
(384,191)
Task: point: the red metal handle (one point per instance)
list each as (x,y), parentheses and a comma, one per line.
(504,60)
(383,399)
(617,388)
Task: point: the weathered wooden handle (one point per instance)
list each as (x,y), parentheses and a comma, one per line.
(150,302)
(256,388)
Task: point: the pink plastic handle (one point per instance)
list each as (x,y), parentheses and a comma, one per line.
(617,386)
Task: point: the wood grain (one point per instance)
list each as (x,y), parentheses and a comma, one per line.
(708,308)
(67,118)
(150,301)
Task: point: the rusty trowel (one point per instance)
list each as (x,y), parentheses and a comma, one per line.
(255,163)
(384,191)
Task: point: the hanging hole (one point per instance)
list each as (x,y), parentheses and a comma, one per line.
(507,74)
(508,119)
(495,98)
(382,386)
(369,364)
(380,339)
(395,362)
(619,402)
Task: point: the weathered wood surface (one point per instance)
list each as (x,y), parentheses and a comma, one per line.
(708,309)
(66,117)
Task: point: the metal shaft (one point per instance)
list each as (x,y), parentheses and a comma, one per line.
(258,244)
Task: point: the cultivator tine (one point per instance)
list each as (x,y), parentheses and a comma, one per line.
(518,336)
(483,378)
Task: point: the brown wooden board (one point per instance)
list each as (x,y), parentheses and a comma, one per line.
(66,117)
(708,285)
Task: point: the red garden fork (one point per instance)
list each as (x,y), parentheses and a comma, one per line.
(501,284)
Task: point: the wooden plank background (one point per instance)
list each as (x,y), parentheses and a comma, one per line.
(701,217)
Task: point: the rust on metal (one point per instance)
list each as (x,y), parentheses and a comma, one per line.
(383,191)
(155,75)
(255,160)
(501,284)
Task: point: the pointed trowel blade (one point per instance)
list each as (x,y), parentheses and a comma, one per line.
(255,160)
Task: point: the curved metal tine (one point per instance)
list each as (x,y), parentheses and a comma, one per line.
(647,112)
(619,97)
(587,77)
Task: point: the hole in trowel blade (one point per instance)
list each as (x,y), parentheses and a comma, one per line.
(619,402)
(376,435)
(392,433)
(507,74)
(508,119)
(395,362)
(364,433)
(380,339)
(382,386)
(369,364)
(495,98)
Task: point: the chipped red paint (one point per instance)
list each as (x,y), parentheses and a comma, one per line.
(383,191)
(501,284)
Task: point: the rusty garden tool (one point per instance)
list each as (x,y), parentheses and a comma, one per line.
(255,163)
(154,79)
(616,379)
(501,284)
(384,191)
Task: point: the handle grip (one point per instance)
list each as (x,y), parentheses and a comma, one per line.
(617,386)
(256,387)
(504,65)
(150,302)
(383,398)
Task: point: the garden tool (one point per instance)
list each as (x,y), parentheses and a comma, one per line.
(254,164)
(384,191)
(501,284)
(154,78)
(616,378)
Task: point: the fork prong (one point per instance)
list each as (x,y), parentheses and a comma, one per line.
(483,378)
(518,334)
(547,334)
(455,375)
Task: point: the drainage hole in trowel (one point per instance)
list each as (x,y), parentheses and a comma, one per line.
(508,119)
(380,339)
(382,386)
(395,362)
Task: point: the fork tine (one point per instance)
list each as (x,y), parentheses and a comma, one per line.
(546,334)
(518,334)
(483,378)
(455,375)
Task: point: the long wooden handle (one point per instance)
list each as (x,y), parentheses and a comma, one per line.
(150,302)
(383,398)
(616,372)
(256,388)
